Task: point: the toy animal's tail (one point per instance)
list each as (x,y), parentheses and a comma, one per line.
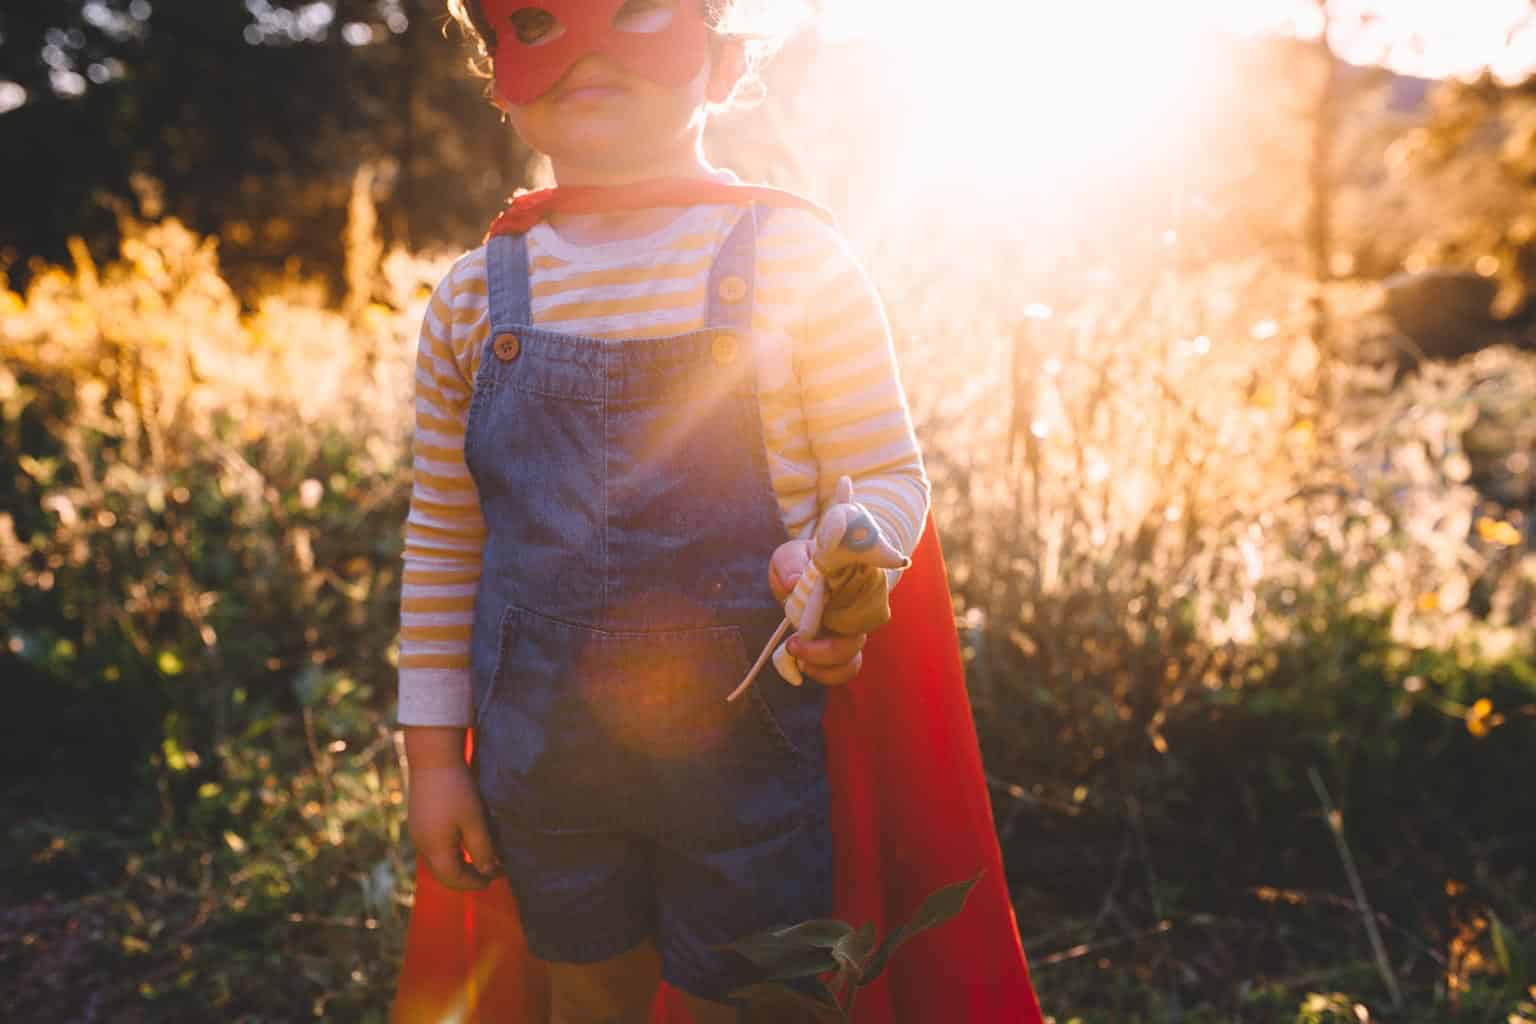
(762,659)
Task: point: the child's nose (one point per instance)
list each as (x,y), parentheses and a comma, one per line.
(590,66)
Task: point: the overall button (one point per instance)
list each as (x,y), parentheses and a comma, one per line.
(724,349)
(508,346)
(733,288)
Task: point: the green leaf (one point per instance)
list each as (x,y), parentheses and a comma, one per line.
(799,963)
(936,909)
(1507,950)
(855,949)
(783,999)
(311,685)
(765,948)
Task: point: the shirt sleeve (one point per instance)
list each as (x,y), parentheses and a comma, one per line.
(445,530)
(856,415)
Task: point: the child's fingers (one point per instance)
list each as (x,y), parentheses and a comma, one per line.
(827,648)
(477,843)
(447,865)
(787,566)
(836,675)
(830,659)
(779,585)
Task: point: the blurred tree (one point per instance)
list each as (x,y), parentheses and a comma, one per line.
(249,120)
(1362,172)
(1326,112)
(1470,277)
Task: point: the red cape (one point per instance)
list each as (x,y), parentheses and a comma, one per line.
(910,814)
(528,208)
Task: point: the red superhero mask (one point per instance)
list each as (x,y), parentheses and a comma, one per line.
(537,41)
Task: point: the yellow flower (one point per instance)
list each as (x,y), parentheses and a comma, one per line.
(1482,719)
(1497,531)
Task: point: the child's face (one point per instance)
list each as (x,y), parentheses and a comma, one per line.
(537,41)
(607,115)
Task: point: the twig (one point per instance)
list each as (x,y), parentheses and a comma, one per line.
(322,763)
(1134,812)
(1109,906)
(1087,949)
(1378,948)
(1022,797)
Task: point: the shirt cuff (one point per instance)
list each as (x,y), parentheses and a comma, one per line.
(435,696)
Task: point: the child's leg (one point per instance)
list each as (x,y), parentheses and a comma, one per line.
(621,990)
(705,1012)
(616,991)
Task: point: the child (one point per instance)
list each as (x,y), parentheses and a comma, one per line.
(633,401)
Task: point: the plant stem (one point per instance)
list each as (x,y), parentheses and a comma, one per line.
(1378,948)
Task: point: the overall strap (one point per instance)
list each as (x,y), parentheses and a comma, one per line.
(732,277)
(506,274)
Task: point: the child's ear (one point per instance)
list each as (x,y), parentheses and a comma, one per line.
(726,69)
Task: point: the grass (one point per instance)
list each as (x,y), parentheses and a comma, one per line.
(1184,584)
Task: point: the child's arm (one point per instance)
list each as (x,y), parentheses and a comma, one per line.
(444,535)
(444,812)
(855,417)
(445,531)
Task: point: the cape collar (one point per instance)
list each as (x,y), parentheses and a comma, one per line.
(529,208)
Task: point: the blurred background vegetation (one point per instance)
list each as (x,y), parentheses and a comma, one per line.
(1223,369)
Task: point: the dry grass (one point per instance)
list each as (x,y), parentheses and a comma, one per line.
(1169,548)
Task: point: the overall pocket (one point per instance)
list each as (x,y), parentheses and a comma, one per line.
(585,728)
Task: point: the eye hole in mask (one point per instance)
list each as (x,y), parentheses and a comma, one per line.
(534,26)
(643,17)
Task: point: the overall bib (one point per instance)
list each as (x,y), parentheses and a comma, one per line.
(630,520)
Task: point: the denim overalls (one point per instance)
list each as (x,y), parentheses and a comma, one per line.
(629,523)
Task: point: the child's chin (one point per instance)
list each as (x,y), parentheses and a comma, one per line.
(612,143)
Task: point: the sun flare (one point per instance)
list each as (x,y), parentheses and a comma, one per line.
(1016,97)
(1024,94)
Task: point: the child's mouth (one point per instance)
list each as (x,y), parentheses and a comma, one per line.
(591,91)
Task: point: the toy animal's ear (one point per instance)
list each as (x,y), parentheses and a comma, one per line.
(834,523)
(844,493)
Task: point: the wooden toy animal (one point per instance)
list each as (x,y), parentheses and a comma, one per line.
(843,586)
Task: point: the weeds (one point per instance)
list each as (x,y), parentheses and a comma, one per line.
(1182,581)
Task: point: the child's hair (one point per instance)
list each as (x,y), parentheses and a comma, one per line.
(760,25)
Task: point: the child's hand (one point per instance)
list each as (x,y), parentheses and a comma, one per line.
(830,659)
(445,817)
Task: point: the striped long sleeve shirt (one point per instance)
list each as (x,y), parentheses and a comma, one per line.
(828,391)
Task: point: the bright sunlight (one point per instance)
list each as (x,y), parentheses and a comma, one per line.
(1026,86)
(996,87)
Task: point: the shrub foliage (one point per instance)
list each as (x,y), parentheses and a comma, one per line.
(1191,561)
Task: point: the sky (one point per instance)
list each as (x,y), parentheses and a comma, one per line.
(985,78)
(1432,38)
(993,87)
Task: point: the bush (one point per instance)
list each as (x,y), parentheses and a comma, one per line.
(1184,578)
(199,578)
(1193,561)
